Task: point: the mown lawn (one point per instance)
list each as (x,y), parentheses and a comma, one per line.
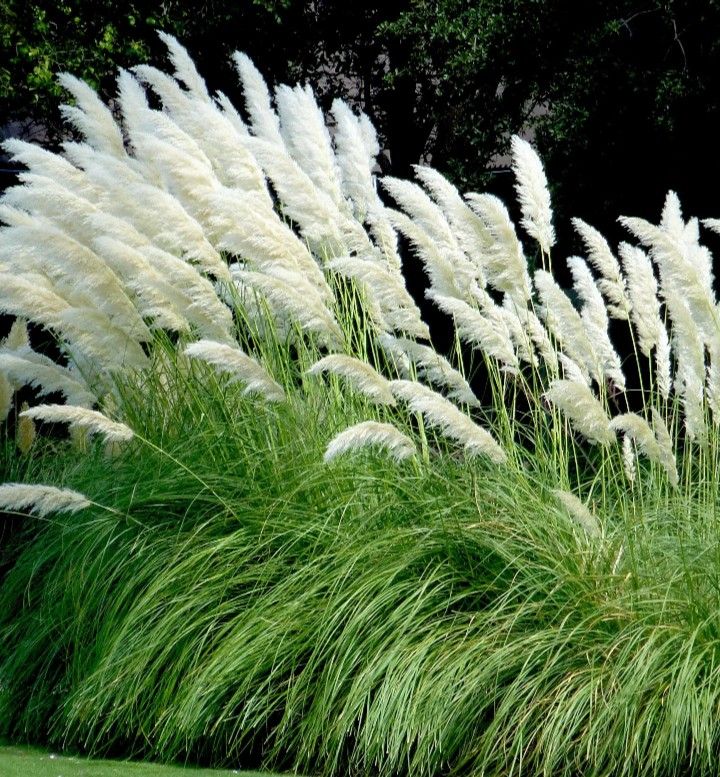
(31,762)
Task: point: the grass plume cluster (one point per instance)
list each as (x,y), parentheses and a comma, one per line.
(297,537)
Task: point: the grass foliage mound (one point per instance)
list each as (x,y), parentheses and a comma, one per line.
(260,520)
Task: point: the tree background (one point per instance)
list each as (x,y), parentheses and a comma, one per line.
(621,96)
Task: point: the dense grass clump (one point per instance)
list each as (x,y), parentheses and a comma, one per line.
(258,519)
(232,599)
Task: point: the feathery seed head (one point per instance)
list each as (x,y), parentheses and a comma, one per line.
(579,512)
(584,411)
(243,368)
(601,257)
(41,500)
(359,374)
(92,420)
(430,365)
(440,413)
(371,433)
(532,189)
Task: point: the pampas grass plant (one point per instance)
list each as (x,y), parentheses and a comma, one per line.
(322,544)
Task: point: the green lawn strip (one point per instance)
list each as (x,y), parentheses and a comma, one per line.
(31,762)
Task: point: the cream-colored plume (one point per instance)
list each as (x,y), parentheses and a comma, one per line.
(440,413)
(91,420)
(533,195)
(243,368)
(360,375)
(41,500)
(579,512)
(584,411)
(371,433)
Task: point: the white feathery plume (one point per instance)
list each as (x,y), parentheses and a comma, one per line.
(164,151)
(212,318)
(353,160)
(231,114)
(154,295)
(41,500)
(72,267)
(295,279)
(175,100)
(442,414)
(93,421)
(186,173)
(318,218)
(32,297)
(628,454)
(601,257)
(214,131)
(593,310)
(25,432)
(26,367)
(437,232)
(486,332)
(655,444)
(712,379)
(264,121)
(371,433)
(637,429)
(687,345)
(667,457)
(136,112)
(18,336)
(87,329)
(712,224)
(360,375)
(167,224)
(679,276)
(14,217)
(579,512)
(594,316)
(566,324)
(355,155)
(253,308)
(82,156)
(468,228)
(383,235)
(532,189)
(538,335)
(47,199)
(43,162)
(671,220)
(262,238)
(519,336)
(386,289)
(91,117)
(302,126)
(369,135)
(439,269)
(311,315)
(243,368)
(185,69)
(92,336)
(429,365)
(429,217)
(505,261)
(572,370)
(584,411)
(643,291)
